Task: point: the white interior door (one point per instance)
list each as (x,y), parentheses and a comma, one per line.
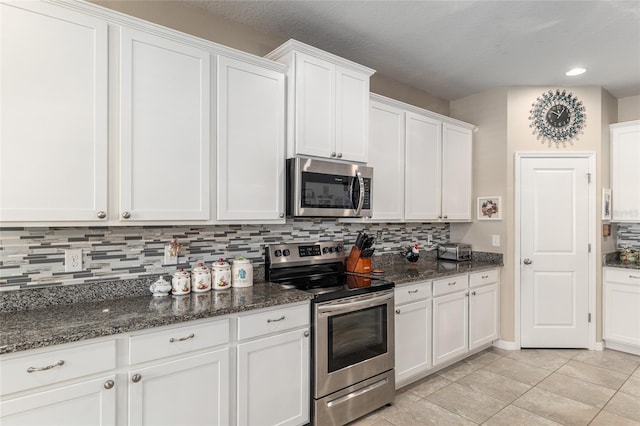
(554,252)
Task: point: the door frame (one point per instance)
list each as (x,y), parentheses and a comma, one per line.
(591,156)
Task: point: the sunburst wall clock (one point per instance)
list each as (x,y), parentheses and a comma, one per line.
(557,117)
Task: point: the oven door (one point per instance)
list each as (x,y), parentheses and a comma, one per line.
(353,340)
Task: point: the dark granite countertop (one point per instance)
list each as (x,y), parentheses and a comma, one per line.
(51,316)
(620,264)
(37,328)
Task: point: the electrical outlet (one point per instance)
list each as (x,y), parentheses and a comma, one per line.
(495,240)
(73,260)
(169,259)
(429,240)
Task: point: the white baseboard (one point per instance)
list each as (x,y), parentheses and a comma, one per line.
(506,345)
(599,346)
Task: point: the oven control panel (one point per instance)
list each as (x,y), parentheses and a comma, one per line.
(305,253)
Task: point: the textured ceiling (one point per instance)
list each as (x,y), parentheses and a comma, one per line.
(453,49)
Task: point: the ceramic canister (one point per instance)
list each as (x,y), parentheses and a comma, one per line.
(200,279)
(221,275)
(242,272)
(180,283)
(160,287)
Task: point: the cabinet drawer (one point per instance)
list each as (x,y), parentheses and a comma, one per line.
(413,292)
(178,340)
(55,366)
(484,277)
(620,275)
(450,284)
(277,320)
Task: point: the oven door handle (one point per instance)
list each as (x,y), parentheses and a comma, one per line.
(349,306)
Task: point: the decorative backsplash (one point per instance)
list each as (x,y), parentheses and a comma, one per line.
(628,235)
(34,257)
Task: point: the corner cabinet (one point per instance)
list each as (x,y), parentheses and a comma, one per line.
(625,174)
(410,146)
(251,144)
(621,309)
(53,150)
(328,103)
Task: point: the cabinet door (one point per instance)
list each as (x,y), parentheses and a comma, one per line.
(457,172)
(422,159)
(386,156)
(625,174)
(412,340)
(251,125)
(483,315)
(315,90)
(273,380)
(53,149)
(92,402)
(450,326)
(622,313)
(187,391)
(352,115)
(164,129)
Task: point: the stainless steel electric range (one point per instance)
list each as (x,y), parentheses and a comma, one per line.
(352,326)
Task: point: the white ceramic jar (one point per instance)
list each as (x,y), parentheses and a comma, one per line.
(160,288)
(200,279)
(221,275)
(242,272)
(181,283)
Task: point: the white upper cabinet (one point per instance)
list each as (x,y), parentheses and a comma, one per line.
(251,131)
(53,149)
(422,180)
(165,120)
(328,103)
(457,172)
(422,164)
(625,173)
(386,156)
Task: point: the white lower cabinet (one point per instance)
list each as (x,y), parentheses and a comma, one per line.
(273,370)
(450,326)
(621,300)
(412,332)
(484,308)
(193,390)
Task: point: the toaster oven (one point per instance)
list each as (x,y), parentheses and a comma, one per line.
(454,251)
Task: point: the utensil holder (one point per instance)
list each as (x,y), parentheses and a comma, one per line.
(355,263)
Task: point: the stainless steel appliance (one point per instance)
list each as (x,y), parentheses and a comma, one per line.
(352,324)
(454,251)
(320,188)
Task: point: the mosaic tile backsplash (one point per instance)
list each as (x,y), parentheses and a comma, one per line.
(629,235)
(34,257)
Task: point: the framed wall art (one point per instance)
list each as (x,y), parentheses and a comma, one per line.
(490,208)
(606,204)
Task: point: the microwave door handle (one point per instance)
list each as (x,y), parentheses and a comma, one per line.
(361,198)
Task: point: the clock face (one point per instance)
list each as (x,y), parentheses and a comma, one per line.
(557,117)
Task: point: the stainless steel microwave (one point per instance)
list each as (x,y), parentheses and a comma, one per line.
(321,188)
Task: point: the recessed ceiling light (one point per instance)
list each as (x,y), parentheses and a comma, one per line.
(575,71)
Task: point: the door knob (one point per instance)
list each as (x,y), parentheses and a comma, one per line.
(527,261)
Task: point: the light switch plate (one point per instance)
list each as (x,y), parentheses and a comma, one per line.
(495,240)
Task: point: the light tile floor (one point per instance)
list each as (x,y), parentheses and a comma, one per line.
(527,387)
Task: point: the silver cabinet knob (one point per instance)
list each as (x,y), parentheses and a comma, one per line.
(109,384)
(445,216)
(101,215)
(306,333)
(473,293)
(136,378)
(281,215)
(397,311)
(126,215)
(333,154)
(527,261)
(339,155)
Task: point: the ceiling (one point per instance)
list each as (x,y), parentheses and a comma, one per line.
(453,49)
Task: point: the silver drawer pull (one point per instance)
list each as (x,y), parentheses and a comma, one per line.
(276,320)
(633,276)
(484,277)
(182,339)
(48,367)
(412,291)
(453,283)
